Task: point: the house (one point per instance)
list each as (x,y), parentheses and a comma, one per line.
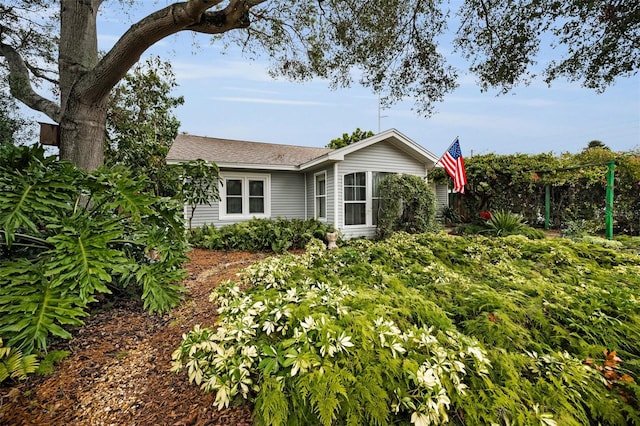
(339,186)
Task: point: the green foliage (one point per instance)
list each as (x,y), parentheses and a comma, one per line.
(450,215)
(47,364)
(578,228)
(141,126)
(198,184)
(596,41)
(407,204)
(347,139)
(516,183)
(501,224)
(15,365)
(66,236)
(277,235)
(428,329)
(11,124)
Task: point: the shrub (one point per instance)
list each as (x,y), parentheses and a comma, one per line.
(277,235)
(428,329)
(578,228)
(517,183)
(407,204)
(67,236)
(501,224)
(450,215)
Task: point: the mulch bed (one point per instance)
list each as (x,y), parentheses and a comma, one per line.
(118,371)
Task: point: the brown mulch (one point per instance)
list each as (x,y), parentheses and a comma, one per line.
(118,371)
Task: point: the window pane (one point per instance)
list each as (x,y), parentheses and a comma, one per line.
(234,186)
(256,205)
(349,193)
(321,207)
(375,204)
(349,179)
(256,188)
(362,193)
(361,179)
(234,205)
(321,187)
(377,177)
(354,214)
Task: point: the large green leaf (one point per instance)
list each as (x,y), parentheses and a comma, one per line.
(116,189)
(32,308)
(82,257)
(31,202)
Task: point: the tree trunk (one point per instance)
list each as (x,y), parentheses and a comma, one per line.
(85,82)
(82,132)
(82,120)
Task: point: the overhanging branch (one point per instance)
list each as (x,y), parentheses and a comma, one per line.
(20,84)
(177,17)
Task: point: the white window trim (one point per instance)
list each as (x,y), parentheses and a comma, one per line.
(367,201)
(245,177)
(315,196)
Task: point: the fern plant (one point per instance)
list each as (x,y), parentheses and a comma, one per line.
(15,365)
(66,236)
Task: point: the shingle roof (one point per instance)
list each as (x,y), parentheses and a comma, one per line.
(227,151)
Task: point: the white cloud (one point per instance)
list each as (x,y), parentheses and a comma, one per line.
(238,70)
(269,101)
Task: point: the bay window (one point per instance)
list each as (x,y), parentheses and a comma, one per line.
(355,198)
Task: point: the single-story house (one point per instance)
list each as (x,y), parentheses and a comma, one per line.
(265,180)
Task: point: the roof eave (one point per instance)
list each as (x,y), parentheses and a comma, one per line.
(247,166)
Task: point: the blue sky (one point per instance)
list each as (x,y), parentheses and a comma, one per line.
(230,97)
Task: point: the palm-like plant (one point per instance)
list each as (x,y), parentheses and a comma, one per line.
(504,223)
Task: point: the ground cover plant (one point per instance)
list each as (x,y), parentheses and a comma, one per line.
(428,329)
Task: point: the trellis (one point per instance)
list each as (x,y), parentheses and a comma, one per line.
(608,195)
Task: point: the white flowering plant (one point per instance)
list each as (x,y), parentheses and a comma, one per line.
(423,330)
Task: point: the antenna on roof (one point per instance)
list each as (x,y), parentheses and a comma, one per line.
(379,116)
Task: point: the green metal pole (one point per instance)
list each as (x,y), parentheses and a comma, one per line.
(609,201)
(547,205)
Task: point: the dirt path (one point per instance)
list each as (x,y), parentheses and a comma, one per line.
(118,369)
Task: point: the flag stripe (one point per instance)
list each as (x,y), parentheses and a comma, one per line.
(454,166)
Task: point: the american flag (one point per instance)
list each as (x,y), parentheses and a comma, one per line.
(454,165)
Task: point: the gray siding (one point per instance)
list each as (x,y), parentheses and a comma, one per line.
(292,194)
(287,195)
(380,157)
(287,201)
(442,197)
(311,193)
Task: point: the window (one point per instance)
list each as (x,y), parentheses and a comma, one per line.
(256,196)
(234,196)
(355,199)
(375,195)
(321,195)
(244,196)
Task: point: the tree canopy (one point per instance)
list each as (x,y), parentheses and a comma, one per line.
(10,123)
(348,139)
(141,125)
(391,46)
